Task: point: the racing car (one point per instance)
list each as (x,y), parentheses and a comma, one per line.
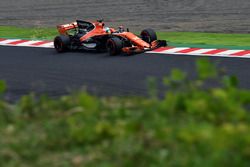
(86,35)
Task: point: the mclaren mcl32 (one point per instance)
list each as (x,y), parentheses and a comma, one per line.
(85,35)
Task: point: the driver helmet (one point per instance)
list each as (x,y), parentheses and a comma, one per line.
(107,30)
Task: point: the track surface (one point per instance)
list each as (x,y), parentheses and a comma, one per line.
(44,71)
(163,15)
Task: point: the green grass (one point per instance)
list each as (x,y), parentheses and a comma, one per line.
(27,33)
(197,39)
(206,38)
(192,39)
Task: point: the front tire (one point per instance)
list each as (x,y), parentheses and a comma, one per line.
(61,43)
(148,35)
(114,46)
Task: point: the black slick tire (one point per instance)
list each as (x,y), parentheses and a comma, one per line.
(148,35)
(114,46)
(61,43)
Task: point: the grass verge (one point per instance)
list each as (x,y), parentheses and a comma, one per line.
(192,39)
(27,33)
(207,40)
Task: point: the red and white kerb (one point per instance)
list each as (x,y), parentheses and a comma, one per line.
(27,43)
(164,50)
(202,52)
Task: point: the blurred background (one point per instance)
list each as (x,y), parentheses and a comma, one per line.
(164,15)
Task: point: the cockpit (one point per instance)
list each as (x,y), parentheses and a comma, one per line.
(84,26)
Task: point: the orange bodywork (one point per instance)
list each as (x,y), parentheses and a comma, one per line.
(134,39)
(63,29)
(97,31)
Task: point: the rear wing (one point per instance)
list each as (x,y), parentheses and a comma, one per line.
(62,29)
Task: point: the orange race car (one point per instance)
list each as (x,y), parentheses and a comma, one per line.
(95,36)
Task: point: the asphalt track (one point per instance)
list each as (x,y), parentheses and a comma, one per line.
(45,71)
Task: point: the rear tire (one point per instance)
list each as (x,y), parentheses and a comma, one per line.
(114,46)
(148,35)
(61,43)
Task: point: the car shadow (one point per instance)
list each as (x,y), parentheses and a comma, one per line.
(96,53)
